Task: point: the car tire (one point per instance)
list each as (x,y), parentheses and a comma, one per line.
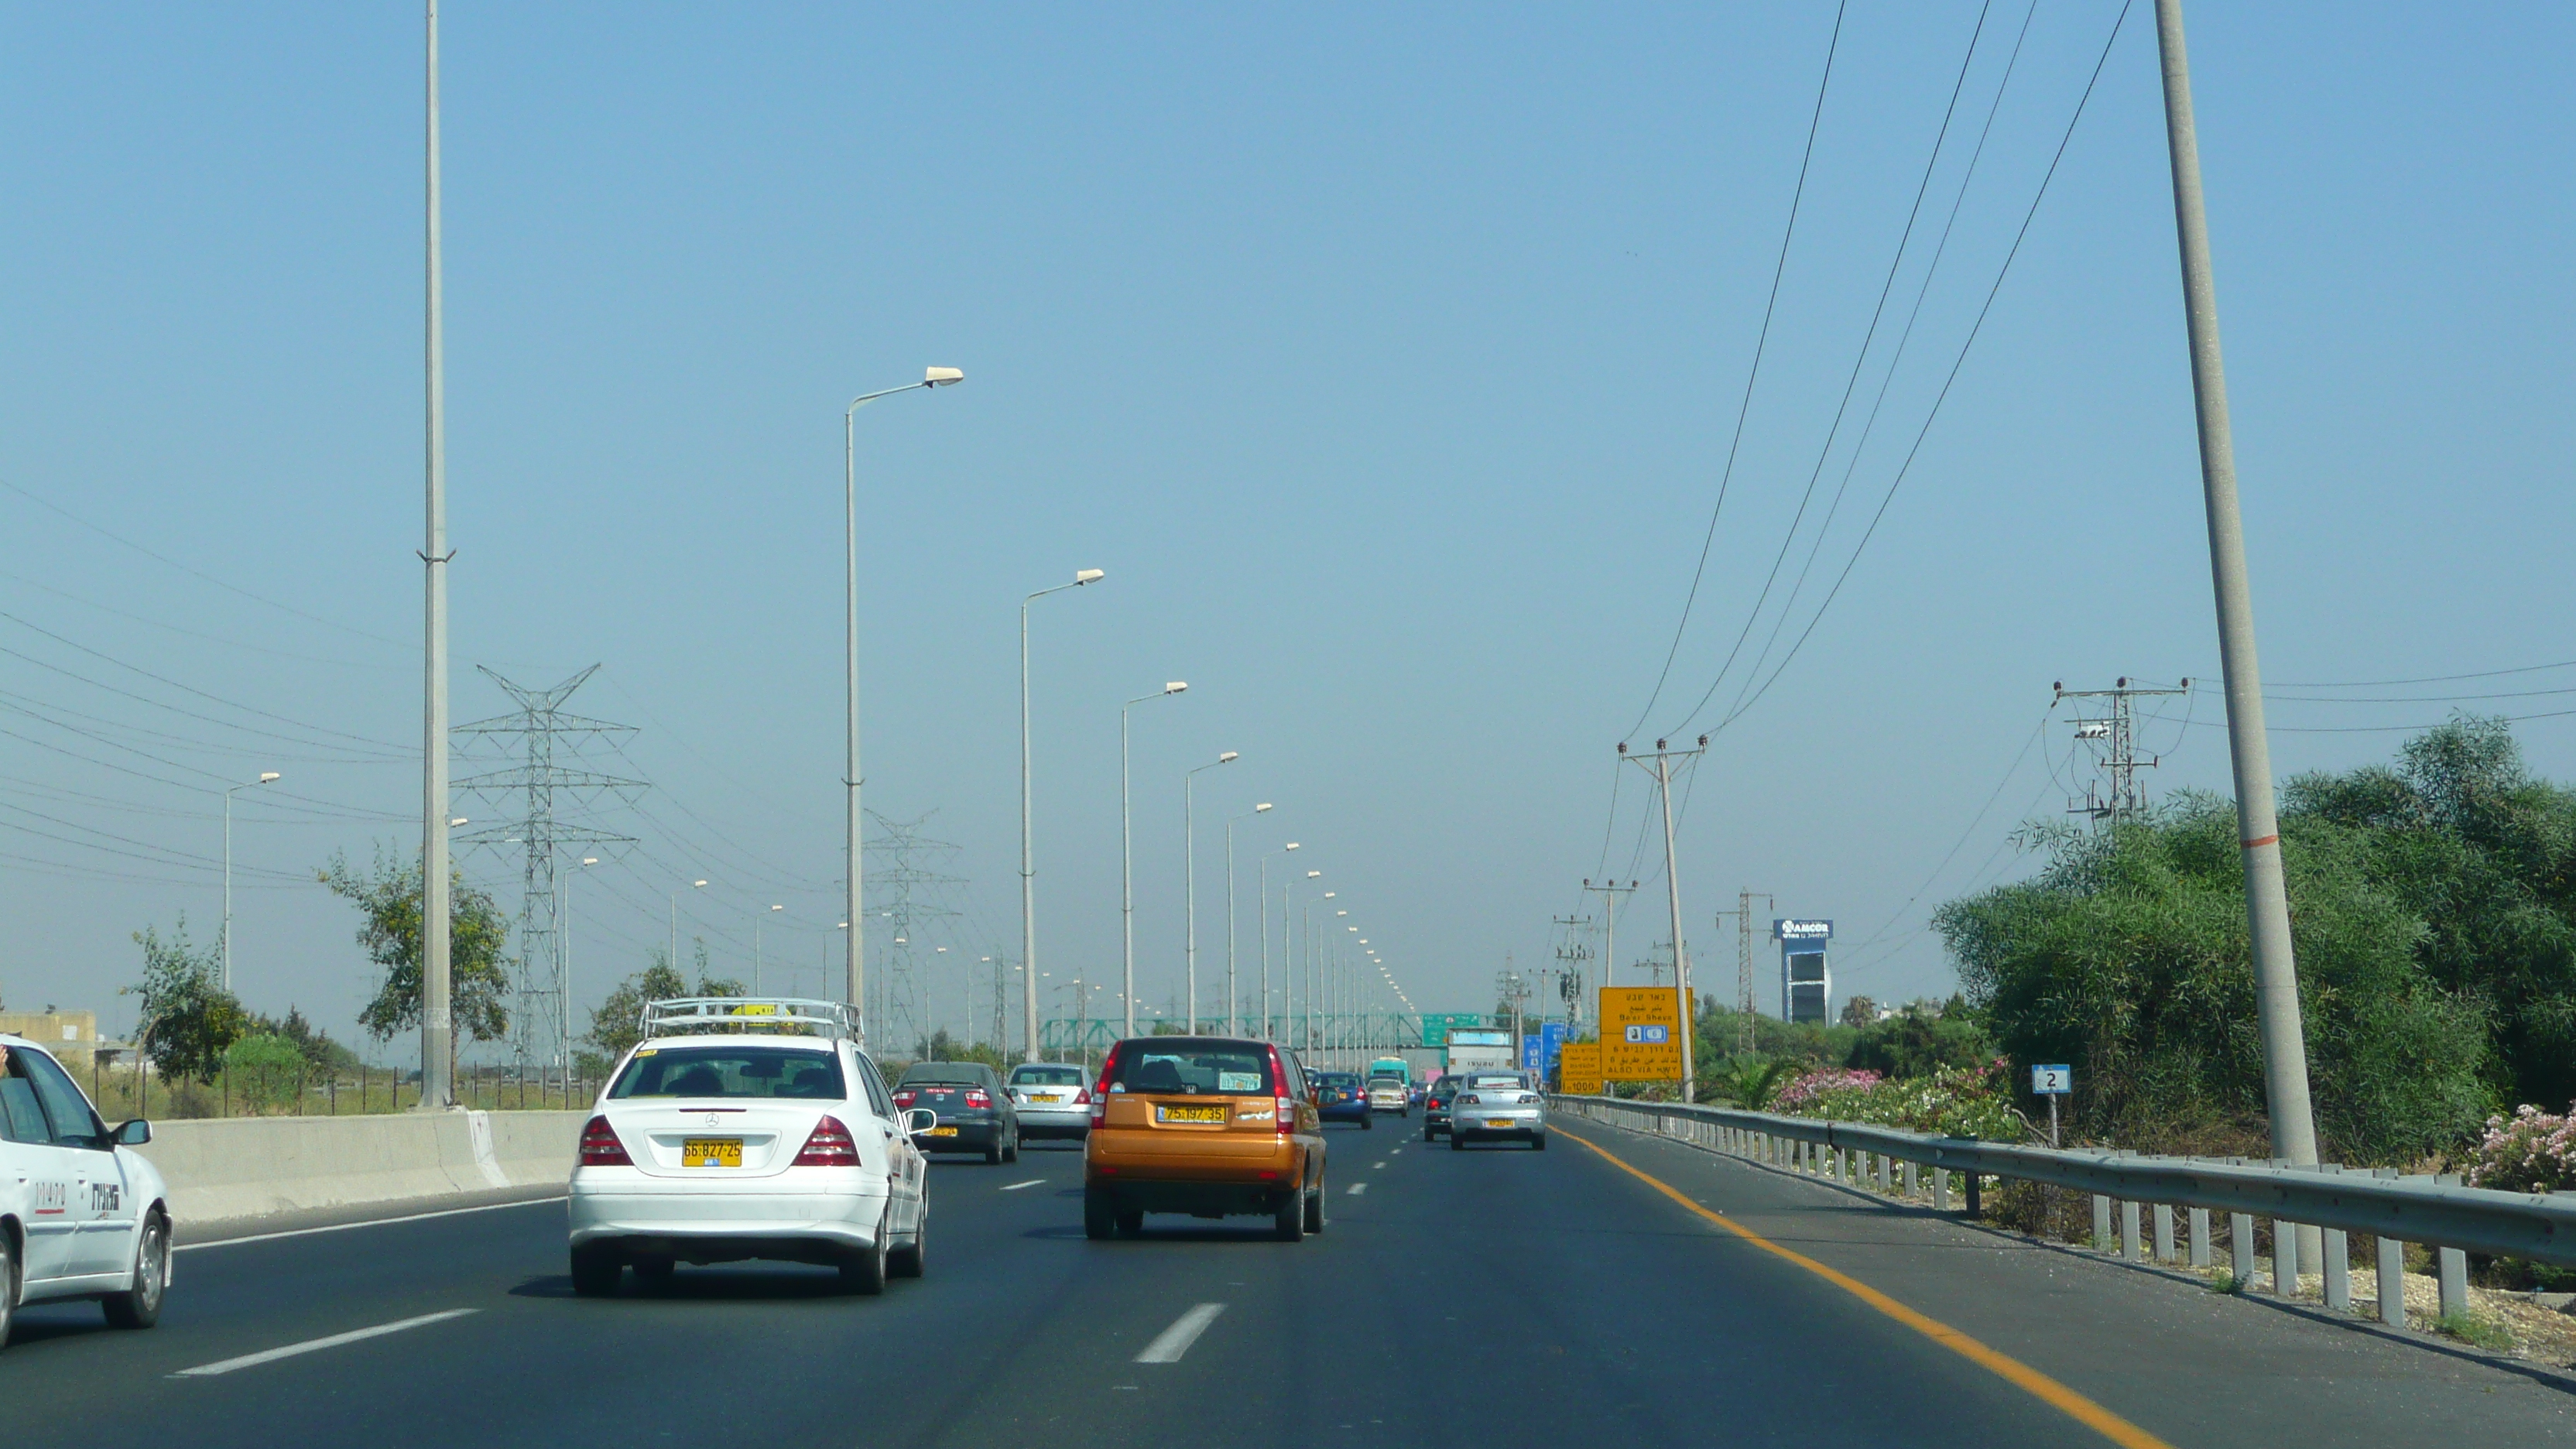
(993,1154)
(8,1285)
(1538,1142)
(140,1305)
(595,1270)
(1368,1122)
(865,1273)
(1012,1152)
(1099,1214)
(1456,1142)
(1131,1222)
(655,1273)
(1315,1207)
(1288,1222)
(909,1260)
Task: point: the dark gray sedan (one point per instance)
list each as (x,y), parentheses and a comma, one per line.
(971,1108)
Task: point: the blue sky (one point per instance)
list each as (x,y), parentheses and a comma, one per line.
(1388,360)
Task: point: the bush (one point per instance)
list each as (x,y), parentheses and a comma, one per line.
(1952,1102)
(2533,1152)
(265,1072)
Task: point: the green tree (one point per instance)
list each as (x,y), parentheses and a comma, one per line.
(188,1020)
(1923,1037)
(388,898)
(1751,1082)
(265,1071)
(616,1024)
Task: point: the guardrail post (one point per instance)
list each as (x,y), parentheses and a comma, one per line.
(2240,1245)
(2129,1248)
(2392,1282)
(2164,1233)
(1976,1208)
(2338,1249)
(2199,1237)
(2454,1280)
(2101,1223)
(1911,1192)
(2285,1258)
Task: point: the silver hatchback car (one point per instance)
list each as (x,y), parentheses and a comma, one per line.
(1497,1105)
(1053,1100)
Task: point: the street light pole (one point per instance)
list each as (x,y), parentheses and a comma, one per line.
(2258,830)
(671,957)
(1127,855)
(265,776)
(854,863)
(756,918)
(1265,933)
(1190,878)
(1028,857)
(565,916)
(1233,997)
(437,1069)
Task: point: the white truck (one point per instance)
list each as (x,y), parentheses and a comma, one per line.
(1471,1049)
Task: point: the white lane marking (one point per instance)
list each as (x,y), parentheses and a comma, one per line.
(1374,1166)
(1357,1188)
(1032,1182)
(489,1207)
(249,1360)
(1172,1342)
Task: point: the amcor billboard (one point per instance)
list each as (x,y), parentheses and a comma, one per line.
(1806,978)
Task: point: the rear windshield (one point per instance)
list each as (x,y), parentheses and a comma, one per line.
(1234,1069)
(1386,1081)
(1046,1076)
(729,1071)
(1498,1084)
(966,1072)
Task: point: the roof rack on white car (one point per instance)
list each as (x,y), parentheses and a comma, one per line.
(785,1015)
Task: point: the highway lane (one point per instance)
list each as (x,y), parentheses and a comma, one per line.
(1492,1296)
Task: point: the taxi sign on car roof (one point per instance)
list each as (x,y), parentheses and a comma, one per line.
(782,1015)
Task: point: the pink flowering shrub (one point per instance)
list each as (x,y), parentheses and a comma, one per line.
(2534,1152)
(1954,1101)
(1803,1091)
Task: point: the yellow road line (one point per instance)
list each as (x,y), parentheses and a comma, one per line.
(2083,1410)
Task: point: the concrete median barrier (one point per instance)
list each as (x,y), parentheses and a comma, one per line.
(247,1167)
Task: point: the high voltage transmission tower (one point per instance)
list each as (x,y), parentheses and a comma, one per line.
(542,737)
(898,886)
(1744,1008)
(1572,953)
(2112,738)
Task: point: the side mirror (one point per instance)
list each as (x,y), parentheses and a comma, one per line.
(917,1120)
(134,1133)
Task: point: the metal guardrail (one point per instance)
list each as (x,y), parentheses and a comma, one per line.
(2396,1209)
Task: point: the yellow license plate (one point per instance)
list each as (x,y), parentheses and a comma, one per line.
(1190,1114)
(1500,1122)
(711,1152)
(941,1132)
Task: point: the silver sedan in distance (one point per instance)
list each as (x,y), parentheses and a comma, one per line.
(1053,1100)
(1497,1105)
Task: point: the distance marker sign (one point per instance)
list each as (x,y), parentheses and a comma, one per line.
(2056,1081)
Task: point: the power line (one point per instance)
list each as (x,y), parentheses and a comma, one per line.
(1760,343)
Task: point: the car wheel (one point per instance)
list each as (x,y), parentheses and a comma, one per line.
(655,1272)
(908,1260)
(993,1153)
(1428,1135)
(595,1269)
(1315,1207)
(1131,1222)
(865,1273)
(1012,1152)
(1099,1214)
(140,1305)
(1538,1142)
(1368,1122)
(1288,1224)
(8,1285)
(1456,1142)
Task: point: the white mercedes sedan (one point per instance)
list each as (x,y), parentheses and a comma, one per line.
(747,1128)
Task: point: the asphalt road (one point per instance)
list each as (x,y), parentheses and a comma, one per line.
(1491,1297)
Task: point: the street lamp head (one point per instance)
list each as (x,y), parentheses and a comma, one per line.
(941,377)
(697,884)
(459,820)
(778,908)
(590,860)
(1088,576)
(1292,845)
(1312,874)
(1227,758)
(1177,686)
(1264,805)
(267,775)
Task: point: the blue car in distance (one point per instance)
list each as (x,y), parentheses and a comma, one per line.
(1339,1097)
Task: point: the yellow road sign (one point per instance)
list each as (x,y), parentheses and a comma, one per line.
(1641,1034)
(1578,1069)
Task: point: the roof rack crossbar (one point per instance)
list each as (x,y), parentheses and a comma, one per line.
(782,1015)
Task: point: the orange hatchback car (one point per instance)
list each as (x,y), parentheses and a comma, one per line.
(1208,1126)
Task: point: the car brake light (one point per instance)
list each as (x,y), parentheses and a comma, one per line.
(904,1096)
(1284,1105)
(1471,1101)
(1081,1096)
(600,1147)
(829,1146)
(978,1097)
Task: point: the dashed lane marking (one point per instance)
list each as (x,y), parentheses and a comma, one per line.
(1032,1182)
(315,1345)
(1357,1188)
(2021,1375)
(1172,1342)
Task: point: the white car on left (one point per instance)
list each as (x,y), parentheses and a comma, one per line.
(747,1128)
(82,1215)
